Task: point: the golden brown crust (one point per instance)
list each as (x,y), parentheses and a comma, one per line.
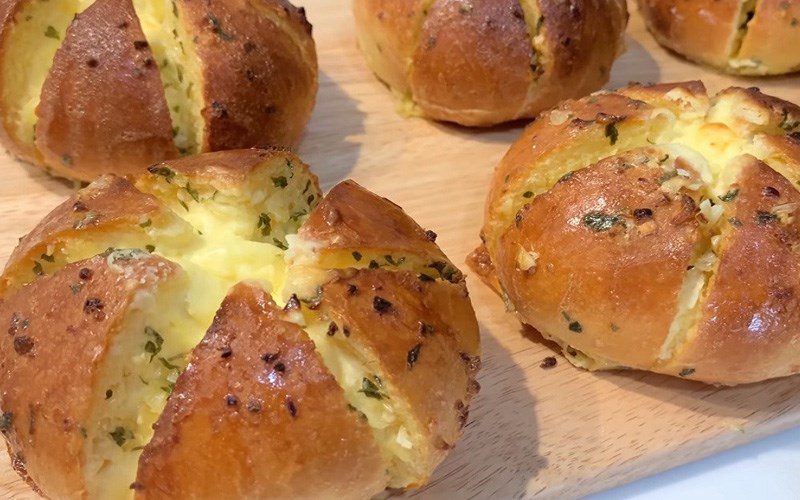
(417,334)
(62,324)
(268,387)
(258,84)
(110,203)
(581,41)
(350,218)
(229,167)
(481,263)
(702,30)
(552,132)
(602,276)
(629,111)
(425,342)
(642,259)
(750,320)
(387,35)
(730,35)
(258,72)
(80,120)
(487,45)
(485,62)
(774,27)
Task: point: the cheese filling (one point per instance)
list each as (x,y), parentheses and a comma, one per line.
(174,51)
(702,146)
(30,45)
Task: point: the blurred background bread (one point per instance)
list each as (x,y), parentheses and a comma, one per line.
(656,228)
(748,37)
(217,328)
(91,87)
(483,62)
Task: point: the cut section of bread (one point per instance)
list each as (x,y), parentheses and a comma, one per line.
(259,402)
(616,226)
(175,56)
(340,392)
(747,37)
(30,34)
(90,87)
(55,379)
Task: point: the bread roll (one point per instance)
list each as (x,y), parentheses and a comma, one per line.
(741,37)
(341,361)
(655,228)
(89,87)
(483,62)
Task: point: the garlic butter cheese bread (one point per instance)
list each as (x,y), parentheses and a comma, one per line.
(655,227)
(217,317)
(89,87)
(483,62)
(747,37)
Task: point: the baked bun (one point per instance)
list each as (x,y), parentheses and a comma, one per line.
(89,87)
(341,361)
(483,62)
(741,37)
(655,228)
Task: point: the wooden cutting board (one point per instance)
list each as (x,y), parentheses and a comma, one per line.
(558,432)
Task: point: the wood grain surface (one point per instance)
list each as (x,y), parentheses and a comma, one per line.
(559,432)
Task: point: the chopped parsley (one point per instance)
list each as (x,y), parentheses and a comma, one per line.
(394,262)
(445,271)
(154,343)
(280,182)
(601,221)
(168,365)
(612,133)
(300,213)
(51,32)
(264,224)
(730,195)
(192,192)
(162,171)
(120,435)
(372,388)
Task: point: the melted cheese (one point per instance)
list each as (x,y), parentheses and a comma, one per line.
(174,51)
(133,385)
(395,433)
